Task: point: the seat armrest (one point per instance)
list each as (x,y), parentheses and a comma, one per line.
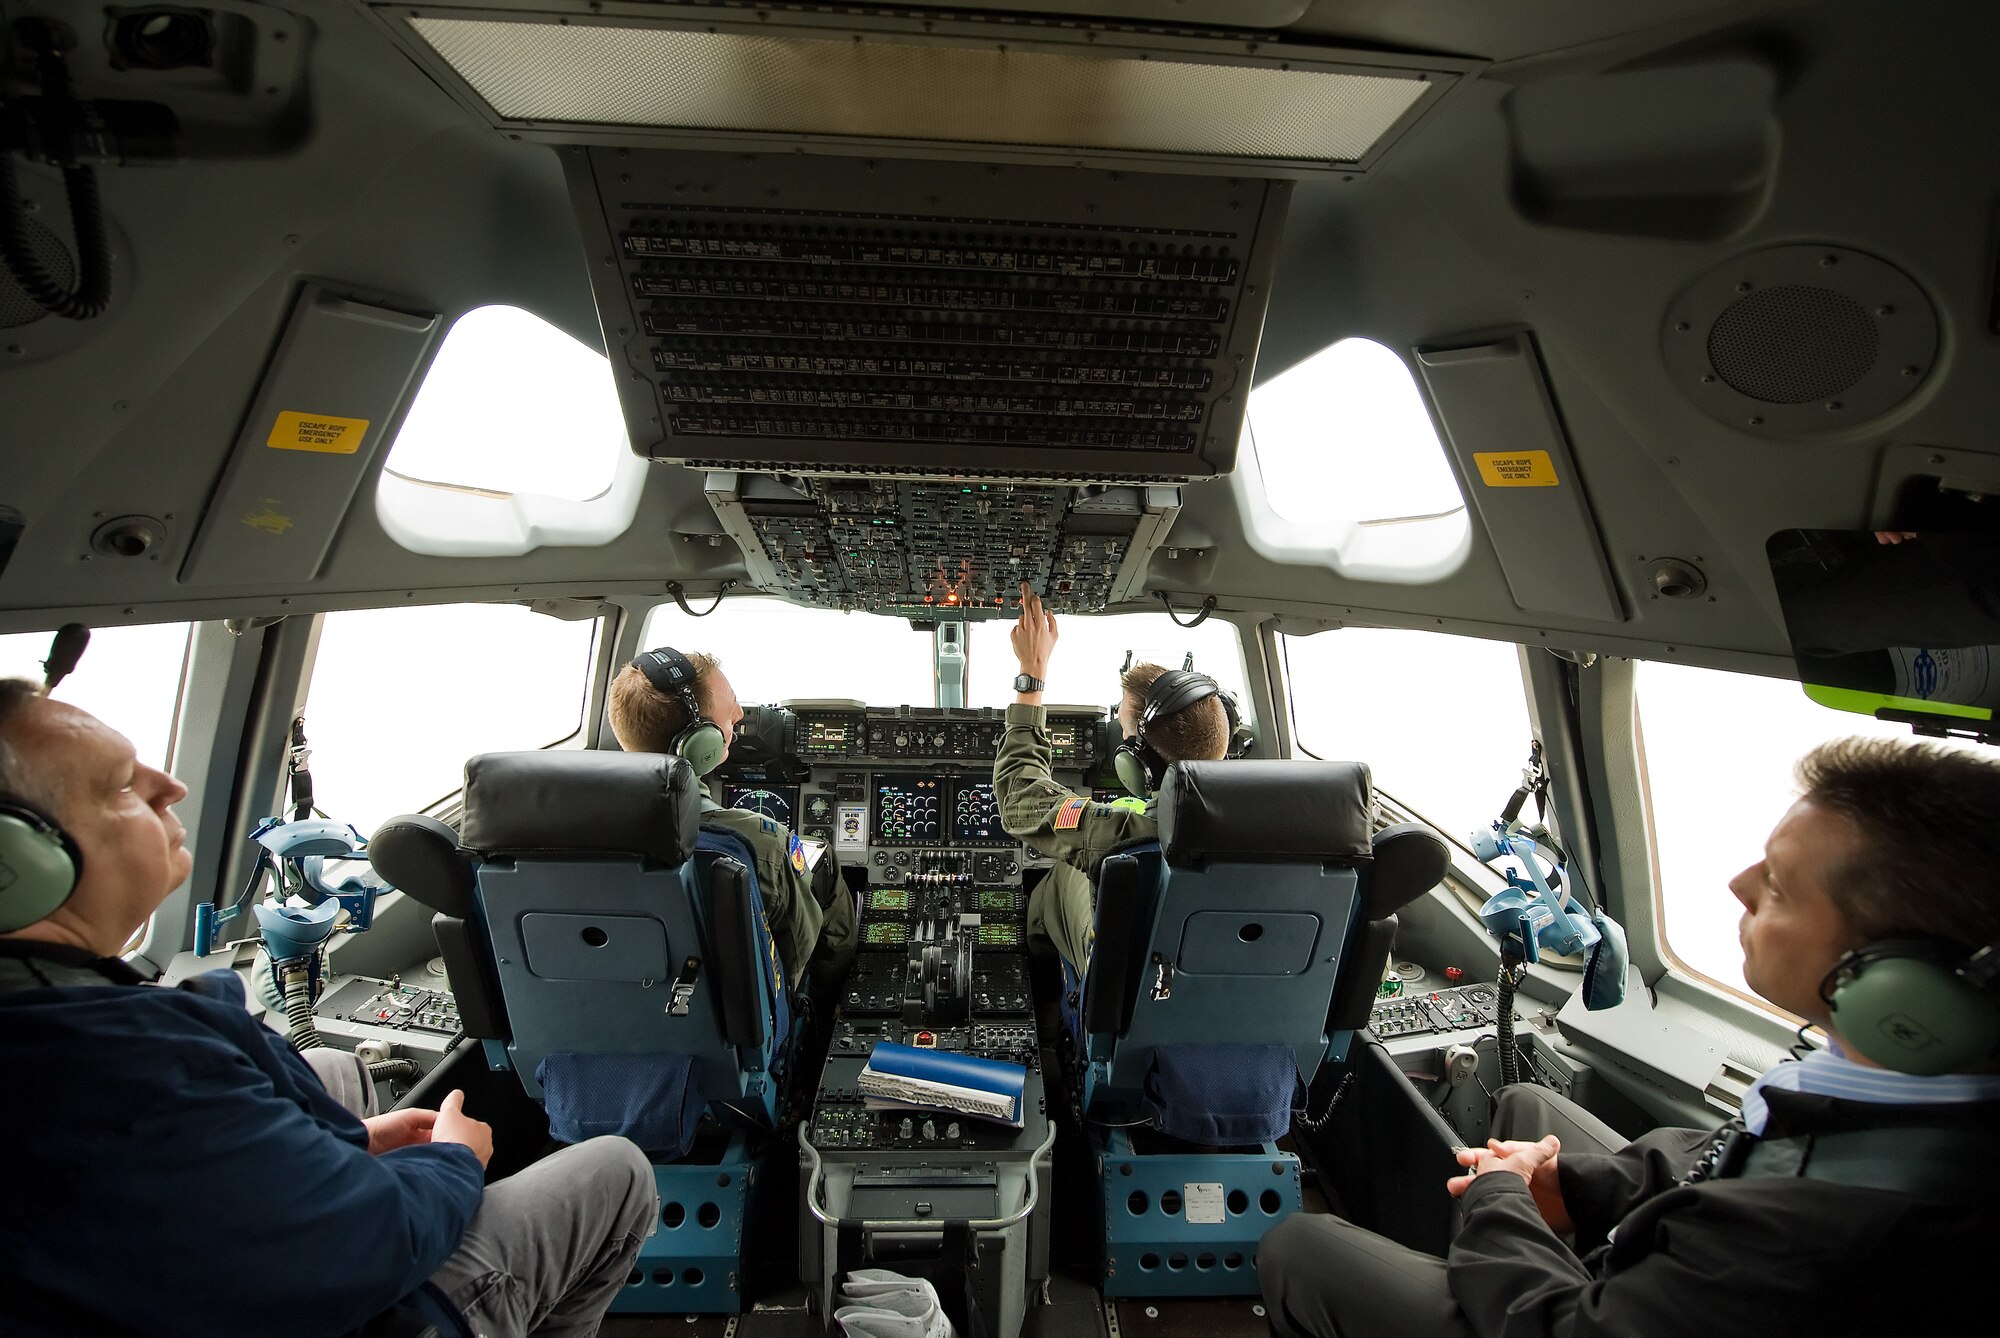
(1360,974)
(734,973)
(481,1010)
(1118,960)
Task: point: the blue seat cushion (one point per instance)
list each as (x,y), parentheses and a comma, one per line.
(1220,1095)
(654,1100)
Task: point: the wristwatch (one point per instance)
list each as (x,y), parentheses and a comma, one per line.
(1027,683)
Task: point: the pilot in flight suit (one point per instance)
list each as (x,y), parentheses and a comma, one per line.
(1077,831)
(648,717)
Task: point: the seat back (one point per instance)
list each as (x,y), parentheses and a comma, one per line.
(1232,928)
(612,930)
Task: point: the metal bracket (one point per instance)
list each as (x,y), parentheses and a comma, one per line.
(683,994)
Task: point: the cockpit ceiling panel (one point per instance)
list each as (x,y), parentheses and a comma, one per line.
(694,75)
(893,317)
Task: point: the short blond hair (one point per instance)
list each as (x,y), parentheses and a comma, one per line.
(646,719)
(1196,733)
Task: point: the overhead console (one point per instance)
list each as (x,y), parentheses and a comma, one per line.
(920,549)
(843,316)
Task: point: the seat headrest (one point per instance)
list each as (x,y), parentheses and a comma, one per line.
(420,855)
(1410,860)
(1265,812)
(581,803)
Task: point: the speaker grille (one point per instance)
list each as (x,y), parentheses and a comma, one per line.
(1793,344)
(16,307)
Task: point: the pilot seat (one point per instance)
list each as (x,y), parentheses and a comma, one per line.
(614,956)
(1231,957)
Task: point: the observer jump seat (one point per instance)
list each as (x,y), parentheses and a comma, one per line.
(1231,957)
(620,961)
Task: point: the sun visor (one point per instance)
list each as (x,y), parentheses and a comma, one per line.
(763,78)
(1897,625)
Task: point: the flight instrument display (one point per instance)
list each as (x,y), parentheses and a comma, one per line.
(776,802)
(909,809)
(975,813)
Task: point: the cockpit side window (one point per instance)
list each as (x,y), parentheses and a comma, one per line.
(1718,750)
(129,677)
(1442,721)
(400,698)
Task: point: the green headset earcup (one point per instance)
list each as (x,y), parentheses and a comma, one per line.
(1131,769)
(703,747)
(1915,1016)
(37,871)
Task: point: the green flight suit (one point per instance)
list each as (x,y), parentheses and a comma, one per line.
(804,931)
(1064,904)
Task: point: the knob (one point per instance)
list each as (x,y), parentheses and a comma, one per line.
(930,1131)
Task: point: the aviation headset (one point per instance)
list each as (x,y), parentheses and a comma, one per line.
(39,864)
(1139,765)
(700,740)
(1917,1005)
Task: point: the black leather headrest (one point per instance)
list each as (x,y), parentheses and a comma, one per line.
(420,855)
(581,803)
(1410,860)
(1266,812)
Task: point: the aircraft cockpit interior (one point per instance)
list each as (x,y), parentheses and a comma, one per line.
(1044,655)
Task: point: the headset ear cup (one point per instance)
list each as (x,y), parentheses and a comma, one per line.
(1914,1016)
(703,747)
(1132,772)
(38,870)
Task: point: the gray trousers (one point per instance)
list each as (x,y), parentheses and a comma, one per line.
(551,1245)
(1327,1278)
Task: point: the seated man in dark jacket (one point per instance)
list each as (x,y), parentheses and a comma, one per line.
(176,1168)
(1851,1189)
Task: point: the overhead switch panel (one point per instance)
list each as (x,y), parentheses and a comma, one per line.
(927,549)
(836,316)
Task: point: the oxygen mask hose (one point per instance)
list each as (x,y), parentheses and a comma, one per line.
(1511,971)
(297,978)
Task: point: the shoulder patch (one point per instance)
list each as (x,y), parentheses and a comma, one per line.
(770,826)
(1070,814)
(796,853)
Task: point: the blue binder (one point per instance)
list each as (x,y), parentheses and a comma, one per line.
(901,1075)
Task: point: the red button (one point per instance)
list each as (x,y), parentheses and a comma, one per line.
(1454,973)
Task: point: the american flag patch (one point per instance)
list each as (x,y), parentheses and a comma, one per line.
(1071,813)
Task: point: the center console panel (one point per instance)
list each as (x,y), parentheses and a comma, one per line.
(903,799)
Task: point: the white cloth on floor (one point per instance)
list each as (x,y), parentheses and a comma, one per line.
(883,1304)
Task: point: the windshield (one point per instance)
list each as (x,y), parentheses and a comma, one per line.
(1090,651)
(773,651)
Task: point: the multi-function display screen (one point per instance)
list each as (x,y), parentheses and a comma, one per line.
(908,809)
(975,813)
(777,802)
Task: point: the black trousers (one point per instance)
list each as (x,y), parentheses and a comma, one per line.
(1323,1277)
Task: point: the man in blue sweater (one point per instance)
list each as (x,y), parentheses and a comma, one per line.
(176,1168)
